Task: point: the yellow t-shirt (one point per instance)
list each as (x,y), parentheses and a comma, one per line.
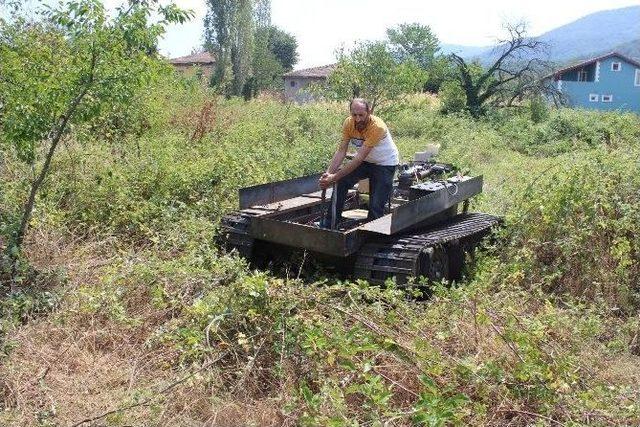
(375,131)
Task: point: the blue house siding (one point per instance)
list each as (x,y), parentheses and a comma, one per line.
(601,80)
(620,84)
(577,94)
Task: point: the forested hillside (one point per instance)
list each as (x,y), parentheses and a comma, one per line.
(131,315)
(592,35)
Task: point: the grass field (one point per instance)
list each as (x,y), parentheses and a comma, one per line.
(130,315)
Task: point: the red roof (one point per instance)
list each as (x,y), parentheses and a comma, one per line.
(591,61)
(317,72)
(195,58)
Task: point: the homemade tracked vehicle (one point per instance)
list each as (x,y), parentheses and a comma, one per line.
(424,233)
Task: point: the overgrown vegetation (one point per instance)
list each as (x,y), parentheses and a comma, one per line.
(128,314)
(70,66)
(133,307)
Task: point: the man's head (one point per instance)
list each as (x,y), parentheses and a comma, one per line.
(360,111)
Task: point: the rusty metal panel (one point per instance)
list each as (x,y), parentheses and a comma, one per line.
(330,242)
(292,204)
(411,213)
(277,191)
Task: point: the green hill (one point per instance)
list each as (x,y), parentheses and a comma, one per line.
(594,34)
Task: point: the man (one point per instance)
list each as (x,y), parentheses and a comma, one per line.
(376,158)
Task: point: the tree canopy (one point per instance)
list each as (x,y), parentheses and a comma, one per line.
(251,53)
(371,71)
(284,47)
(229,34)
(413,41)
(64,66)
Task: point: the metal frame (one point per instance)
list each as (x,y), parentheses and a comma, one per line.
(411,213)
(329,242)
(277,191)
(278,227)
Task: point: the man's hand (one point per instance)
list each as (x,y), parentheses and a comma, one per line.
(326,180)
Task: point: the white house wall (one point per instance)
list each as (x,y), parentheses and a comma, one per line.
(297,92)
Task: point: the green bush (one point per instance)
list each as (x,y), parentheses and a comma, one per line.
(453,97)
(539,109)
(573,230)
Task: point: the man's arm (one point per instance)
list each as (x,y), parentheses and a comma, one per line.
(329,178)
(338,157)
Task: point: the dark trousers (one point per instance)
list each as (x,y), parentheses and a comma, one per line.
(380,187)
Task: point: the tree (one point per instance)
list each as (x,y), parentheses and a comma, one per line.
(284,47)
(251,53)
(418,43)
(371,71)
(516,61)
(61,69)
(229,34)
(266,68)
(274,53)
(413,41)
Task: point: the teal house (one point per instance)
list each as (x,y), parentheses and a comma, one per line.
(608,82)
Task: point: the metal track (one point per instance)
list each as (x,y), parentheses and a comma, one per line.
(234,232)
(434,253)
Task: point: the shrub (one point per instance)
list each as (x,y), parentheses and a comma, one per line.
(573,230)
(453,97)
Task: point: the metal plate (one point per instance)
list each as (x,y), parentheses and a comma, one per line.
(330,242)
(277,191)
(411,213)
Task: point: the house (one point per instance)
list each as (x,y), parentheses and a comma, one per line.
(197,64)
(295,82)
(608,82)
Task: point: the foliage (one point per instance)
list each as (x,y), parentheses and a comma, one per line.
(440,71)
(274,53)
(229,34)
(579,238)
(251,53)
(64,70)
(453,97)
(370,71)
(542,329)
(413,42)
(284,47)
(416,42)
(539,109)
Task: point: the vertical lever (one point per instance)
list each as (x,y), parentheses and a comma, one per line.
(333,206)
(323,198)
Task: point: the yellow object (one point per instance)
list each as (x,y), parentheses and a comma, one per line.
(375,131)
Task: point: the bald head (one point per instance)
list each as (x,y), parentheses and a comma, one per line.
(360,103)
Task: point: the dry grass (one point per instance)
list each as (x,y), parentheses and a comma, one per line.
(72,365)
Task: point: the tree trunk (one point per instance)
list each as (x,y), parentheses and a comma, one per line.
(15,246)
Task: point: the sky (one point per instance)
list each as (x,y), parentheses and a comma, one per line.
(321,27)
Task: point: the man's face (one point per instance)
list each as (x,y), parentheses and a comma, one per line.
(360,116)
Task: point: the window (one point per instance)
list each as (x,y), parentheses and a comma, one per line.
(293,83)
(607,98)
(582,75)
(616,66)
(593,97)
(637,81)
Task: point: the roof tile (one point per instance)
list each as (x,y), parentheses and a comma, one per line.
(321,72)
(195,58)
